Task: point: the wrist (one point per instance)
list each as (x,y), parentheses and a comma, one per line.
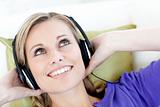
(3,99)
(108,40)
(112,42)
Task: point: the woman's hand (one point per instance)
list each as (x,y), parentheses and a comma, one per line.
(12,88)
(110,42)
(102,49)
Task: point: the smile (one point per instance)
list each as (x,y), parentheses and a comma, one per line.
(60,71)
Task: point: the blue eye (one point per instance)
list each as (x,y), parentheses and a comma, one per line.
(64,42)
(39,51)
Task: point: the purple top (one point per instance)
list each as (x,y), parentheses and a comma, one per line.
(135,89)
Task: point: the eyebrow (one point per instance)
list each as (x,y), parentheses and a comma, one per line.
(60,36)
(35,46)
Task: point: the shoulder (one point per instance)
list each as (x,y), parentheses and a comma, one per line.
(143,85)
(135,89)
(150,72)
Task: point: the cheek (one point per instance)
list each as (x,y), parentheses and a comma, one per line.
(77,57)
(37,64)
(75,54)
(37,68)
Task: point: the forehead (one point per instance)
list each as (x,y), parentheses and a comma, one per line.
(50,27)
(47,32)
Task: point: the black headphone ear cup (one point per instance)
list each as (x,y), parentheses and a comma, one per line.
(27,77)
(23,71)
(84,52)
(22,78)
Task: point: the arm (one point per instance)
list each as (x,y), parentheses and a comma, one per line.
(128,40)
(134,40)
(12,89)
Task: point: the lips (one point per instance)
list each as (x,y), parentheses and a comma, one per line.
(59,71)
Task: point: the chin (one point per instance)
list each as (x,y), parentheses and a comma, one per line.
(59,89)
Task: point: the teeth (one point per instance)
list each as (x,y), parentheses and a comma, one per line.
(60,71)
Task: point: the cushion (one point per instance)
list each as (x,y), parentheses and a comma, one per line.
(110,70)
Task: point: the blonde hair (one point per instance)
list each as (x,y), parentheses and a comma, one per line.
(21,37)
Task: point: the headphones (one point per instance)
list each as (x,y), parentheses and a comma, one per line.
(24,72)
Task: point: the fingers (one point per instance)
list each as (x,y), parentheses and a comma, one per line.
(11,79)
(13,89)
(7,79)
(101,54)
(10,75)
(96,59)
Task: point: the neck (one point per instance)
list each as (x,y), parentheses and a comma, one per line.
(76,97)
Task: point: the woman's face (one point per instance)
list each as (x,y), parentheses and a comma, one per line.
(54,57)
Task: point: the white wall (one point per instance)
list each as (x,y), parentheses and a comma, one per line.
(145,13)
(91,16)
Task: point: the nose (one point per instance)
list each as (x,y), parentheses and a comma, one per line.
(56,57)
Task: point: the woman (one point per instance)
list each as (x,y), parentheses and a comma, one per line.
(54,58)
(57,66)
